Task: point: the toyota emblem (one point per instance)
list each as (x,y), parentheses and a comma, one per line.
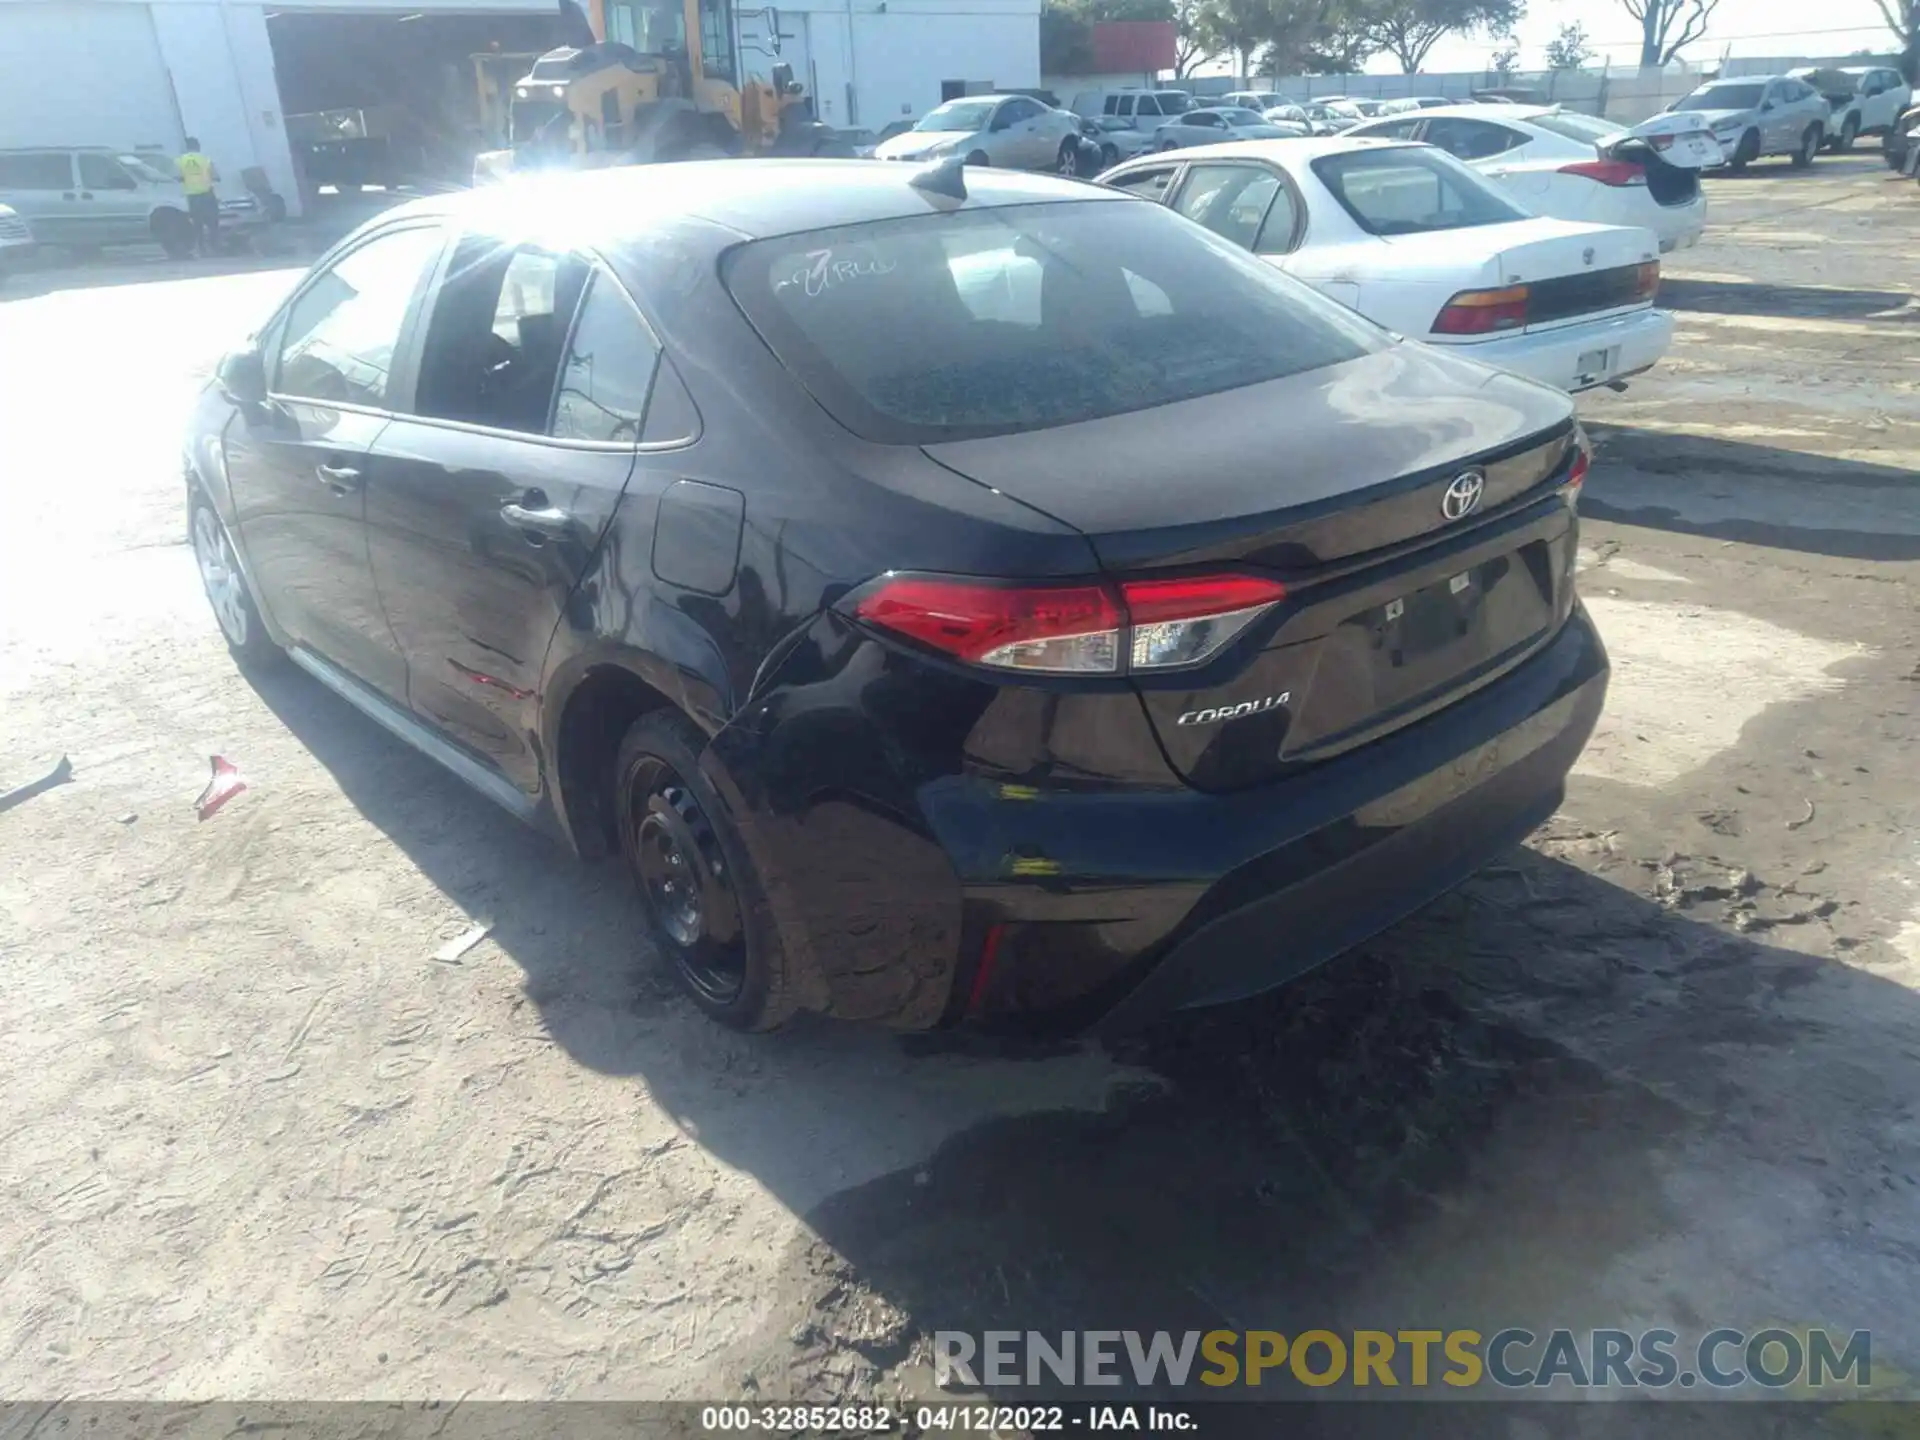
(1463,494)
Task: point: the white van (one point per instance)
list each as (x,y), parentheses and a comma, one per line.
(1141,109)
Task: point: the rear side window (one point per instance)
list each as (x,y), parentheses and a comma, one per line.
(1233,200)
(611,360)
(995,321)
(45,170)
(1471,139)
(1148,185)
(1412,189)
(493,348)
(339,337)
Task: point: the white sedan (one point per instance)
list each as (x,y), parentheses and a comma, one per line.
(1578,167)
(1417,242)
(1015,132)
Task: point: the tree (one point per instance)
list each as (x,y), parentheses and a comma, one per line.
(1666,26)
(1506,58)
(1569,49)
(1903,18)
(1190,48)
(1241,28)
(1409,29)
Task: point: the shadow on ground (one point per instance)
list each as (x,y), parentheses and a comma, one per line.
(1387,1143)
(1746,297)
(1756,494)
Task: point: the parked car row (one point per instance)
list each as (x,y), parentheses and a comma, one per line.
(1124,626)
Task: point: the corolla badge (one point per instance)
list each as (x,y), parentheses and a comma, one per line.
(1463,494)
(1234,712)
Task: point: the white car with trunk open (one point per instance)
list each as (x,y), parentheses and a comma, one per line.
(1578,167)
(1421,244)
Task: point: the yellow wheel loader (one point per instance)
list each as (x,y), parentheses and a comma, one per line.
(666,87)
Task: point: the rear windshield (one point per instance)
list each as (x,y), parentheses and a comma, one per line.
(994,321)
(1722,97)
(1579,127)
(1412,189)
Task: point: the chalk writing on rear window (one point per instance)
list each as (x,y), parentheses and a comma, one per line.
(822,272)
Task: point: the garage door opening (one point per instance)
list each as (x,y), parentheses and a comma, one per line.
(401,102)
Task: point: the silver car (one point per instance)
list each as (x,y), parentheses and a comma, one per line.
(1217,125)
(1756,115)
(83,198)
(1013,132)
(1116,138)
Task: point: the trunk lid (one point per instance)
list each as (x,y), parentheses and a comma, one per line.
(1334,482)
(1682,139)
(1574,270)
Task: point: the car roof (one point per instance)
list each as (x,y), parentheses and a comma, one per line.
(1303,147)
(1492,113)
(753,198)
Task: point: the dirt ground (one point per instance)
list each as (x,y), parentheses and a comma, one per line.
(1661,1065)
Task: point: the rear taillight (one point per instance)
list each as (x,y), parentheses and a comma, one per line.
(1646,280)
(1483,312)
(1070,629)
(1080,629)
(1582,462)
(1609,172)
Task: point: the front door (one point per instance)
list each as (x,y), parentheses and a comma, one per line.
(299,465)
(113,205)
(490,498)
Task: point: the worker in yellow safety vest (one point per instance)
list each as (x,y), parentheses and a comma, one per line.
(203,206)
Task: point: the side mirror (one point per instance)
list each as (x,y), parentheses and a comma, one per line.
(242,376)
(1766,104)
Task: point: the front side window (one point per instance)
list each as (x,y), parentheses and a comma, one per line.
(609,371)
(1013,318)
(1411,190)
(494,341)
(340,335)
(101,172)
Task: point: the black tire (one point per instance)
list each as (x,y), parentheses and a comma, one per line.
(1746,152)
(1068,162)
(1849,132)
(1166,145)
(979,159)
(174,231)
(717,936)
(227,589)
(1809,147)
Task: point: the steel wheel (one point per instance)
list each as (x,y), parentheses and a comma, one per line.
(221,578)
(685,881)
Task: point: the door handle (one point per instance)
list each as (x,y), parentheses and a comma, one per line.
(540,518)
(86,194)
(68,195)
(341,479)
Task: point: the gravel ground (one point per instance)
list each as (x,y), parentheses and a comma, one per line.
(1657,1066)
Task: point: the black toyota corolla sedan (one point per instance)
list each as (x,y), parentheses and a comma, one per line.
(955,595)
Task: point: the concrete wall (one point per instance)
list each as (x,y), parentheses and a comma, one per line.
(144,76)
(872,61)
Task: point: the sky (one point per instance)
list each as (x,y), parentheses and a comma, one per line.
(1748,27)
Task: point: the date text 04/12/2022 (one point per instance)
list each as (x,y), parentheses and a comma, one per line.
(949,1416)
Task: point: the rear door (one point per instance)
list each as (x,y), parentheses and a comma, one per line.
(39,184)
(299,464)
(491,495)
